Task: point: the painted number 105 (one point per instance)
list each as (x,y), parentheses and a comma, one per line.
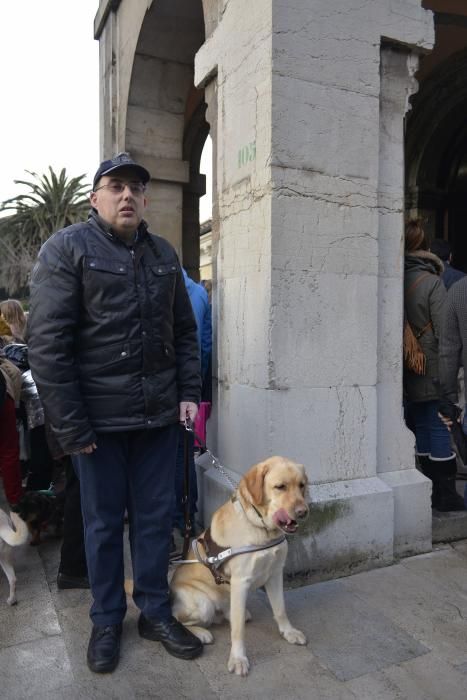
(247,154)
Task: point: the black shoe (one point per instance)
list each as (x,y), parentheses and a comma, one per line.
(65,581)
(176,638)
(104,648)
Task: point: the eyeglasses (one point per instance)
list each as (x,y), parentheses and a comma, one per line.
(119,187)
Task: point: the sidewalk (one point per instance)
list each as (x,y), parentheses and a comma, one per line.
(397,632)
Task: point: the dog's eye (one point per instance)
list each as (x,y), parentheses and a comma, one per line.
(280,487)
(302,485)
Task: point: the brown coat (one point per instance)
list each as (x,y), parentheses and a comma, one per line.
(12,378)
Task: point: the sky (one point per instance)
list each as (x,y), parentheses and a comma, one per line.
(49,77)
(49,69)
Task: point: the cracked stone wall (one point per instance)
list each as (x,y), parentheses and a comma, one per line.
(311,103)
(306,102)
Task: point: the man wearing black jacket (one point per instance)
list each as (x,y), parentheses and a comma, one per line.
(113,350)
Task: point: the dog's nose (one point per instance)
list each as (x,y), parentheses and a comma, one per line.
(301,511)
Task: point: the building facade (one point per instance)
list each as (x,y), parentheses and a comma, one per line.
(314,114)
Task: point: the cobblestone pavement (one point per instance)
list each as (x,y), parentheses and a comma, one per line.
(396,632)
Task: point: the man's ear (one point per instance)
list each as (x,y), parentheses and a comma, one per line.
(92,199)
(252,485)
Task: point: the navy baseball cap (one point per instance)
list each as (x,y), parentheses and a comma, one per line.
(120,161)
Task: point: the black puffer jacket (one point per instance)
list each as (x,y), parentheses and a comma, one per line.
(111,333)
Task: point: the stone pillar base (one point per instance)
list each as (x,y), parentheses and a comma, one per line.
(412,511)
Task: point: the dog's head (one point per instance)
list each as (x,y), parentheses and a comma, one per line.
(35,508)
(278,490)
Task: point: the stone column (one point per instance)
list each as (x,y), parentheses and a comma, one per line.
(309,266)
(395,443)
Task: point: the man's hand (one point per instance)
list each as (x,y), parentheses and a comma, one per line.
(86,450)
(188,409)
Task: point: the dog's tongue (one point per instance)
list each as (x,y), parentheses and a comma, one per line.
(281,518)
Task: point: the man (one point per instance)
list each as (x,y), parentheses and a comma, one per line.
(442,249)
(453,354)
(113,349)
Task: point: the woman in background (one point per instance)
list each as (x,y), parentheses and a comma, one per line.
(13,313)
(424,297)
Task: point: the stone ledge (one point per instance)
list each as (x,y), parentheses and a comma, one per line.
(449,527)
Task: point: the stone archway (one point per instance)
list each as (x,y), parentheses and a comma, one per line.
(196,132)
(436,144)
(147,62)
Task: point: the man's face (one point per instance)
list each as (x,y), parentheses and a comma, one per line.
(122,210)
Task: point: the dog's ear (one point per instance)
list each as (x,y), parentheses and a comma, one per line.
(252,484)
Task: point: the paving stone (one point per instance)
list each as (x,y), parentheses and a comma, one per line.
(429,607)
(424,678)
(41,665)
(350,637)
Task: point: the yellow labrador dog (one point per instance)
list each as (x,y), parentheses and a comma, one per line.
(270,500)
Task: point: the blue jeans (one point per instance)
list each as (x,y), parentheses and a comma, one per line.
(431,435)
(132,470)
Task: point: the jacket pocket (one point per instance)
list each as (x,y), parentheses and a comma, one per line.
(98,358)
(114,267)
(106,286)
(163,269)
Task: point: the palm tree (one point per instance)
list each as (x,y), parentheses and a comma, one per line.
(51,203)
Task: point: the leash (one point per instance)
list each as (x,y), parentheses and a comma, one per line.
(188,524)
(189,427)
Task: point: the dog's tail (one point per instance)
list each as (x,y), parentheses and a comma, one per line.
(13,529)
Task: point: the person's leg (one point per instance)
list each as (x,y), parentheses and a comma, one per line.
(40,462)
(443,463)
(10,468)
(151,486)
(152,458)
(420,418)
(73,556)
(103,484)
(419,415)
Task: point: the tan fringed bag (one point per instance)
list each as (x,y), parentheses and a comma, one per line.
(414,357)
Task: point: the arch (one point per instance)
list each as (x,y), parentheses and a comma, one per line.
(436,148)
(161,96)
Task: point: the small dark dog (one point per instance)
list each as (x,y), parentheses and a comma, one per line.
(41,510)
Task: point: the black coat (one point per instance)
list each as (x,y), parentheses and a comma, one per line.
(111,333)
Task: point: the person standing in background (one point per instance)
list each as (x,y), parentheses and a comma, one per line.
(424,297)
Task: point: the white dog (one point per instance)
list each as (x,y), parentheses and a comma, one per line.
(13,532)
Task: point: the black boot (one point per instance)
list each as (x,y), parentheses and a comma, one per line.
(444,475)
(425,466)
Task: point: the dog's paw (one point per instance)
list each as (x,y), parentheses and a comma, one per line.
(203,635)
(12,600)
(239,665)
(294,636)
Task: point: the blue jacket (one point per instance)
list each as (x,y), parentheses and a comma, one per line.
(202,312)
(451,275)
